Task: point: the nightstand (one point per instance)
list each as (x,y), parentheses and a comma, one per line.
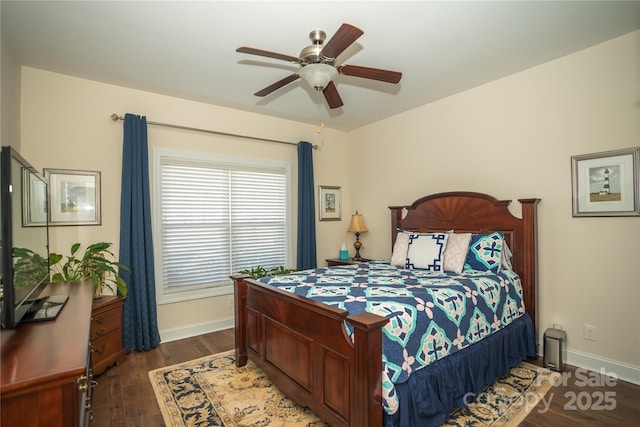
(106,333)
(332,262)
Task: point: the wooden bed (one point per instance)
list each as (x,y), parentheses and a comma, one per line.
(303,345)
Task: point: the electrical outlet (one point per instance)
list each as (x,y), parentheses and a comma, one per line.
(589,332)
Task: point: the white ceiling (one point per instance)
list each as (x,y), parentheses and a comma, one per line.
(187,49)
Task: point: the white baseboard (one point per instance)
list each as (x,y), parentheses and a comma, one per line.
(623,371)
(193,330)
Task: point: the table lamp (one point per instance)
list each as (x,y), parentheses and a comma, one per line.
(357,226)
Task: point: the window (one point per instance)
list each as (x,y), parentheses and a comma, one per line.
(215,217)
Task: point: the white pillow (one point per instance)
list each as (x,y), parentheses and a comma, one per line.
(400,248)
(426,251)
(456,251)
(505,257)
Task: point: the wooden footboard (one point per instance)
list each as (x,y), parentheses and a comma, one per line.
(304,348)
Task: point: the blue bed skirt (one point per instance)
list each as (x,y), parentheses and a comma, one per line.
(430,394)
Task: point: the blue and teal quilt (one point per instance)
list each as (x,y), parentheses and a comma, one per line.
(431,314)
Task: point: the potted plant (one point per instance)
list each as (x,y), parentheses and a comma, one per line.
(96,263)
(258,272)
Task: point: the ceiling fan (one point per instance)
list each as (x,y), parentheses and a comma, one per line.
(317,64)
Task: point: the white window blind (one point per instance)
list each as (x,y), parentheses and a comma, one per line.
(215,218)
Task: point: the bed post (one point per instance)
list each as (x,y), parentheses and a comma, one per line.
(240,309)
(367,370)
(530,264)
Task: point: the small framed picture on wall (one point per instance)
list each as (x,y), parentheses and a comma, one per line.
(330,203)
(34,200)
(606,184)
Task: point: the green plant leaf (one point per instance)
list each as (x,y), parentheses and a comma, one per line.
(96,263)
(74,248)
(122,286)
(54,258)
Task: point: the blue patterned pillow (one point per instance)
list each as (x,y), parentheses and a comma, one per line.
(426,251)
(484,252)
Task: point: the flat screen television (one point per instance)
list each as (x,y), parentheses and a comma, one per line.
(24,243)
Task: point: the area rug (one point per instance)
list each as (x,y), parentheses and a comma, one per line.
(212,391)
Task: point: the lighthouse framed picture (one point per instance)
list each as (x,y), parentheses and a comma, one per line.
(606,184)
(330,202)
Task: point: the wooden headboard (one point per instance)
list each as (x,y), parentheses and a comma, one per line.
(467,212)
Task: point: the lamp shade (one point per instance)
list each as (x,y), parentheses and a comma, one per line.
(357,224)
(318,75)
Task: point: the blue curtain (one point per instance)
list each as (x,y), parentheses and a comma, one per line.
(306,208)
(139,322)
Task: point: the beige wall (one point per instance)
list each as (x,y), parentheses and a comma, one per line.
(10,89)
(66,125)
(513,138)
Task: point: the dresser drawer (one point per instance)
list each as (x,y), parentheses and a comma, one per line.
(105,347)
(106,333)
(105,322)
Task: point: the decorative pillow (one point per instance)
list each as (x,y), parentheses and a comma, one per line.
(505,258)
(456,251)
(426,251)
(484,252)
(400,248)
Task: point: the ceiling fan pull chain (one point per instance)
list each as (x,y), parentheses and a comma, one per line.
(319,101)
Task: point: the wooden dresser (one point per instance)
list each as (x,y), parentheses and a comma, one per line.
(106,333)
(46,366)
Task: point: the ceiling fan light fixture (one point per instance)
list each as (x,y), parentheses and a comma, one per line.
(318,75)
(317,64)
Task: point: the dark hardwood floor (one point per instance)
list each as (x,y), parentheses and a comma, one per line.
(586,398)
(124,397)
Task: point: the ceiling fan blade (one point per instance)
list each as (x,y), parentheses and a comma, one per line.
(342,39)
(268,54)
(332,96)
(277,85)
(370,73)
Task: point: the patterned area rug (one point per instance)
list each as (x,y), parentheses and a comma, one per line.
(506,402)
(211,391)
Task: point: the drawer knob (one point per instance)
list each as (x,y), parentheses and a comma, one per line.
(100,351)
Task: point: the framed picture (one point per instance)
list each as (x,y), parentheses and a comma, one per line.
(330,203)
(34,200)
(74,197)
(606,184)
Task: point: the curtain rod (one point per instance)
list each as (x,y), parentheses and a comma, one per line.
(116,117)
